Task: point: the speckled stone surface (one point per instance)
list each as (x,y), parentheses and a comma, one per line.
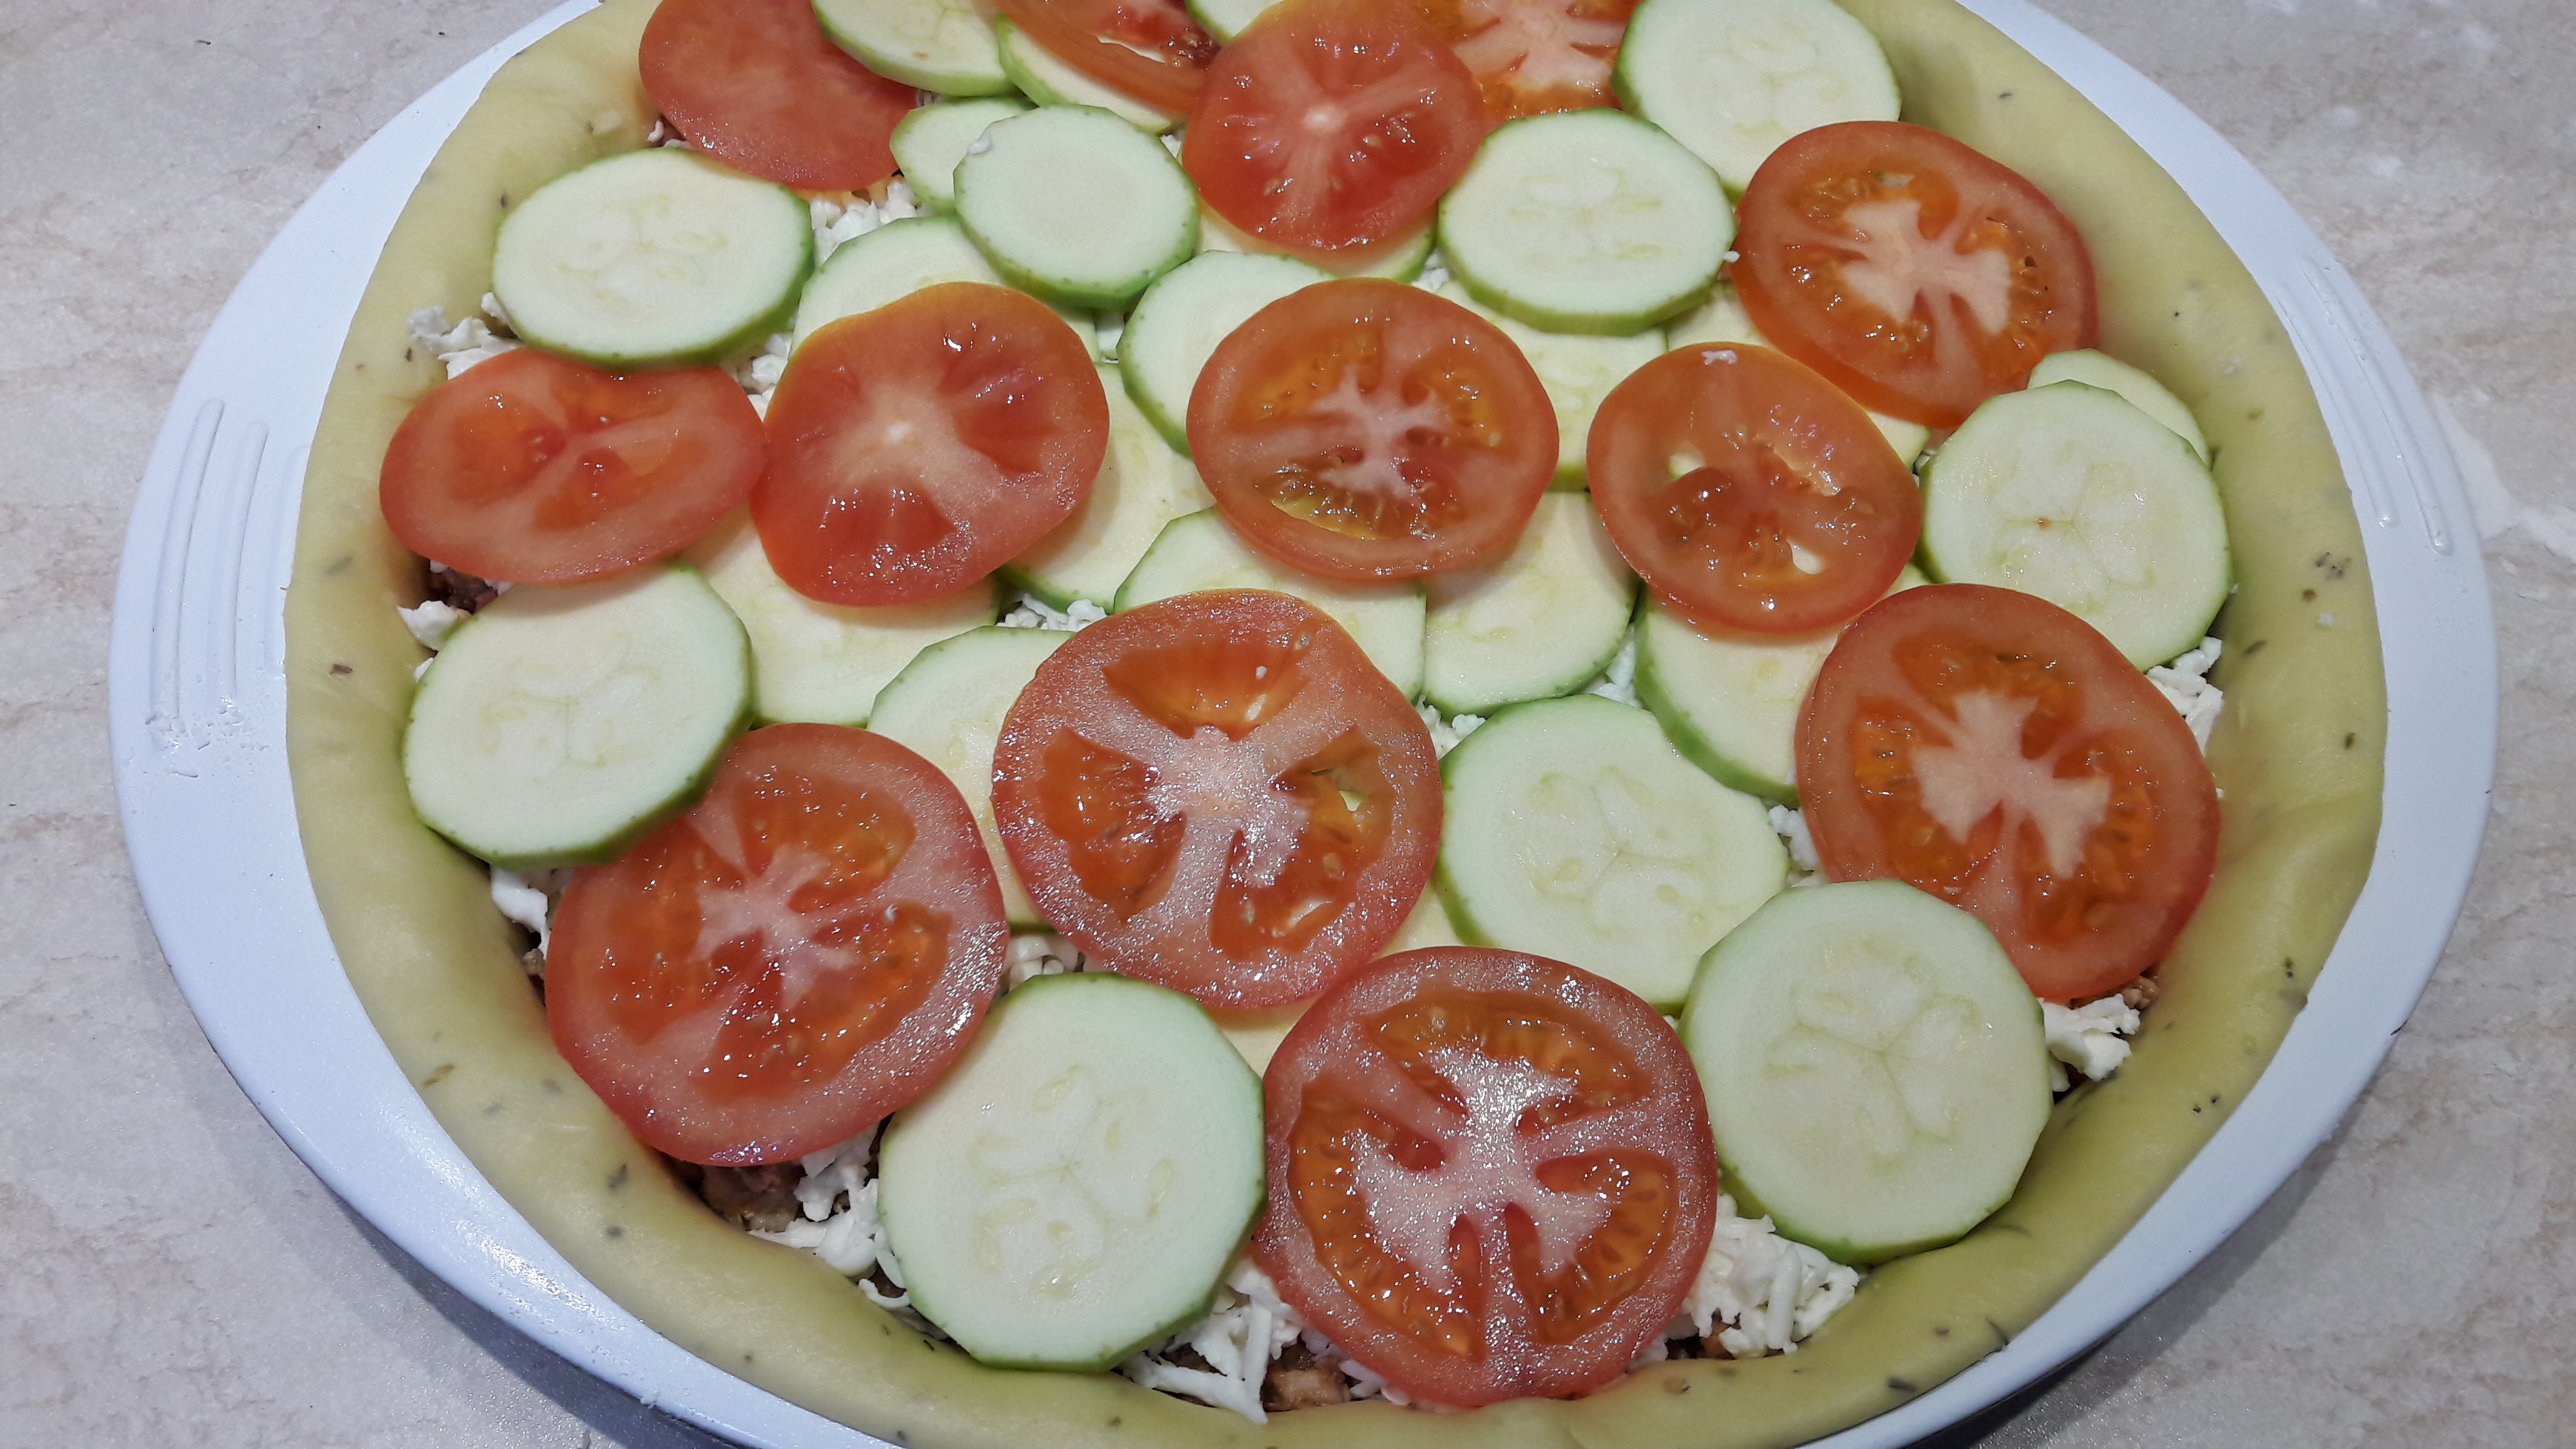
(171,1274)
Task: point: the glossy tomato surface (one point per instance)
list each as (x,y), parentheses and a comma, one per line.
(755,84)
(1219,794)
(787,963)
(1918,275)
(1490,1174)
(1749,492)
(532,468)
(1535,56)
(1991,748)
(1330,125)
(1149,50)
(915,448)
(1364,429)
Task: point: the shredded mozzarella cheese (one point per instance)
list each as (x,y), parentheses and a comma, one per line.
(462,346)
(1033,612)
(1619,681)
(1758,1292)
(1038,953)
(2087,1038)
(2184,683)
(1791,826)
(432,622)
(1447,733)
(1245,1328)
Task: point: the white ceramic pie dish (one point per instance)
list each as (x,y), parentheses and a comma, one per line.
(197,726)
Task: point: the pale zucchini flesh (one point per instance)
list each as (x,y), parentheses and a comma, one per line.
(564,721)
(1400,259)
(1142,486)
(1178,323)
(1536,625)
(1722,319)
(820,662)
(1875,1070)
(652,259)
(1075,206)
(897,260)
(2072,493)
(1586,221)
(1732,79)
(947,706)
(929,142)
(2102,370)
(1573,830)
(1729,700)
(1576,369)
(1073,1188)
(1050,82)
(1200,551)
(1226,19)
(946,46)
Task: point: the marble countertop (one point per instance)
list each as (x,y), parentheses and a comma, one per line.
(175,1275)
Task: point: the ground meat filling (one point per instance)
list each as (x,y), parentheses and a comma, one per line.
(761,1199)
(460,590)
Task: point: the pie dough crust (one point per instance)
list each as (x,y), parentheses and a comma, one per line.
(2298,753)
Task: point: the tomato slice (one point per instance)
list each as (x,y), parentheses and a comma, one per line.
(1918,275)
(1149,50)
(1490,1174)
(755,84)
(1749,492)
(1332,124)
(1991,748)
(790,961)
(915,448)
(535,469)
(1364,429)
(1530,57)
(1218,793)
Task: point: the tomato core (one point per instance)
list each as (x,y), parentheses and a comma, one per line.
(1491,1174)
(1749,492)
(794,958)
(1916,274)
(916,448)
(1364,429)
(1219,794)
(533,468)
(1992,749)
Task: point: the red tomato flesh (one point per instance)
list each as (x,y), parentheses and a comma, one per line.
(536,469)
(1991,748)
(1219,794)
(915,448)
(1490,1174)
(755,84)
(1364,429)
(1148,50)
(1919,276)
(1749,492)
(1534,56)
(790,961)
(1332,124)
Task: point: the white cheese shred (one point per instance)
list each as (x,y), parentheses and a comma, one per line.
(1447,733)
(1619,681)
(1804,864)
(2087,1039)
(1757,1292)
(1038,953)
(2185,684)
(462,346)
(1032,612)
(1245,1328)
